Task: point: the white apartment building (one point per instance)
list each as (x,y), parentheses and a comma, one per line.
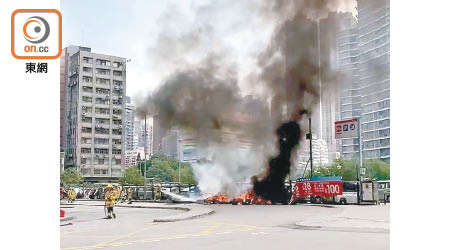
(129,125)
(95,114)
(319,153)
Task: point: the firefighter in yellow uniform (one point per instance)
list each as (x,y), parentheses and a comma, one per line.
(110,201)
(71,196)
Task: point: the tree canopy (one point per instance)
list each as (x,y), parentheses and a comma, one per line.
(70,177)
(132,176)
(376,169)
(166,169)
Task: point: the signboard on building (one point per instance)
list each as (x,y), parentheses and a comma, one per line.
(346,129)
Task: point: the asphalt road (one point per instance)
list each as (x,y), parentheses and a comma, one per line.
(230,227)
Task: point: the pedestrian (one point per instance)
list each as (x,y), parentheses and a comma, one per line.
(130,195)
(110,200)
(158,191)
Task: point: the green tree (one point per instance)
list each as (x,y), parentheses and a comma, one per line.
(166,169)
(377,169)
(71,177)
(132,176)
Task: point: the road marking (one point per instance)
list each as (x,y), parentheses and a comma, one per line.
(209,231)
(212,228)
(126,235)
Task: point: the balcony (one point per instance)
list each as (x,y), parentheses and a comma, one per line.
(86,145)
(85,155)
(101,135)
(105,146)
(85,93)
(102,115)
(86,134)
(102,105)
(101,156)
(116,136)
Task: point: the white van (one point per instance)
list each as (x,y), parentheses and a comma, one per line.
(349,193)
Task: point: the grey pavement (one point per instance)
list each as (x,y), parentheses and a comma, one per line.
(230,227)
(191,210)
(352,218)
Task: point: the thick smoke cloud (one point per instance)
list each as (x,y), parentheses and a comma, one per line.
(204,97)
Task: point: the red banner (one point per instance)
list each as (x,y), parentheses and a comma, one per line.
(320,188)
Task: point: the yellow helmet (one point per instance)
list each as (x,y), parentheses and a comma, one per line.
(109,186)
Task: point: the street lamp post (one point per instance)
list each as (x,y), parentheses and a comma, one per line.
(179,160)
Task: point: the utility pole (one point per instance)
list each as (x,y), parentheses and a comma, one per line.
(320,81)
(360,160)
(310,147)
(145,156)
(179,160)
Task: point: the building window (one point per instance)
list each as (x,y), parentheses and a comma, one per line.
(101,121)
(118,83)
(85,150)
(87,69)
(103,111)
(118,161)
(102,81)
(103,62)
(102,131)
(83,161)
(101,151)
(87,79)
(117,64)
(103,71)
(101,161)
(104,141)
(87,99)
(86,119)
(87,60)
(86,130)
(87,89)
(102,101)
(102,91)
(117,73)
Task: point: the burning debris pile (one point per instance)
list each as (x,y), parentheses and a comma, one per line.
(204,98)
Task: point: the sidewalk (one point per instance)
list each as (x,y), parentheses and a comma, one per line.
(192,210)
(374,218)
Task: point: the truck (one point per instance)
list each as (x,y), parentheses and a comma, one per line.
(316,189)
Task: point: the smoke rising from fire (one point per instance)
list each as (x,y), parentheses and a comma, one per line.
(205,98)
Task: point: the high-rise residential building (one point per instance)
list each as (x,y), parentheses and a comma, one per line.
(95,114)
(374,76)
(329,81)
(364,59)
(350,96)
(142,139)
(319,153)
(62,95)
(129,124)
(157,135)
